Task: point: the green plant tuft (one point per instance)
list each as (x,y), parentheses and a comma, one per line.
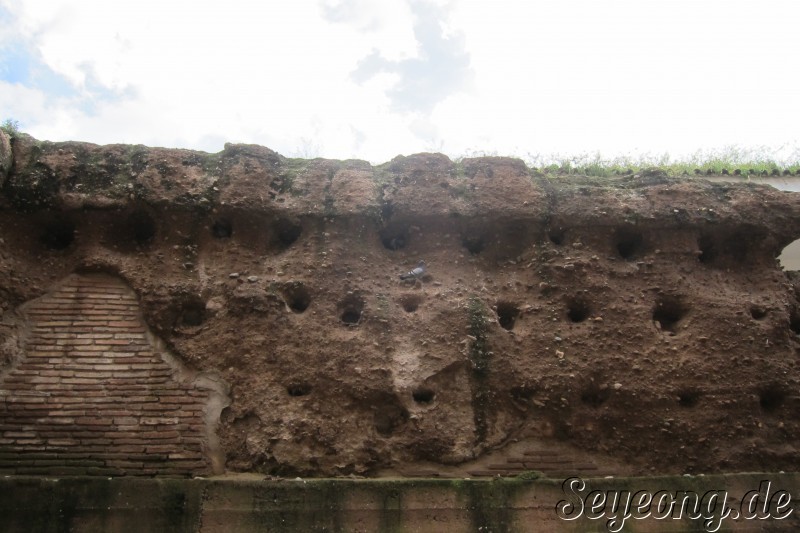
(731,160)
(530,475)
(10,127)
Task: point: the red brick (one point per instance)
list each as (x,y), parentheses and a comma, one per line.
(26,399)
(93,360)
(109,314)
(130,373)
(73,342)
(62,442)
(127,440)
(18,434)
(96,442)
(177,400)
(125,324)
(121,435)
(120,357)
(74,364)
(77,381)
(91,391)
(189,414)
(154,421)
(90,348)
(125,464)
(44,353)
(160,435)
(92,421)
(112,366)
(94,375)
(40,338)
(60,424)
(57,373)
(156,381)
(161,448)
(120,386)
(103,295)
(67,412)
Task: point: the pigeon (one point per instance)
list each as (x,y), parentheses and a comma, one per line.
(417,272)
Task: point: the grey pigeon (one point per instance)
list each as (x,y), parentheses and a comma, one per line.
(416,272)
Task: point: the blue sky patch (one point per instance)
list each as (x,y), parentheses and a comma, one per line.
(22,64)
(442,69)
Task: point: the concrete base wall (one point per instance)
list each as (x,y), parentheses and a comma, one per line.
(225,505)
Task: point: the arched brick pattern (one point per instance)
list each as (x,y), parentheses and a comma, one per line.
(93,395)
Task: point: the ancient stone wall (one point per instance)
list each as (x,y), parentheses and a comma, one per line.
(636,324)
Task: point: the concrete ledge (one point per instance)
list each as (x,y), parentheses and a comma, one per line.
(420,505)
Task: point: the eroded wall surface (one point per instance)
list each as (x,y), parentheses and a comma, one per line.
(634,324)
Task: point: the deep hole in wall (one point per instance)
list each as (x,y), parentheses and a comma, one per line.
(556,236)
(688,398)
(410,302)
(771,398)
(628,243)
(507,314)
(351,309)
(395,237)
(423,395)
(758,312)
(595,395)
(192,313)
(286,233)
(521,396)
(134,231)
(473,243)
(726,249)
(737,247)
(794,320)
(708,249)
(668,311)
(222,229)
(58,234)
(387,210)
(578,309)
(296,296)
(143,227)
(298,389)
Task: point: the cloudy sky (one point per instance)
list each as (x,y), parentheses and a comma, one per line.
(373,79)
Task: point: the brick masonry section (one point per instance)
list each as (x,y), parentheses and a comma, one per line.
(91,396)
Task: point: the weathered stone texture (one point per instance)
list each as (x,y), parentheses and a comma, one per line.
(634,324)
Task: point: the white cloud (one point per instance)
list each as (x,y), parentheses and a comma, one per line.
(513,76)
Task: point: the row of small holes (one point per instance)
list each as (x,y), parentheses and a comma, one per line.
(770,399)
(422,395)
(668,312)
(140,229)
